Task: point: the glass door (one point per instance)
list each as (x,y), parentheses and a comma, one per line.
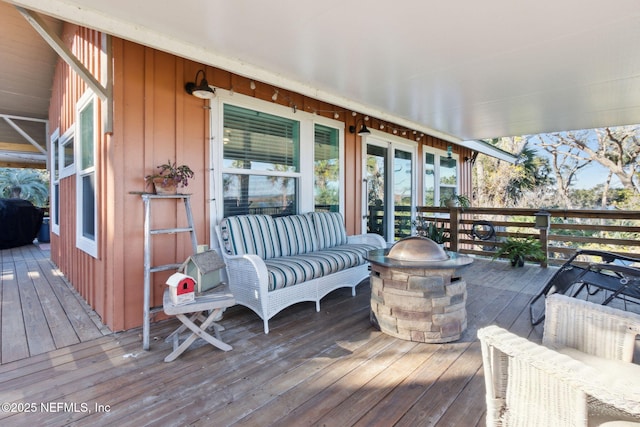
(389,194)
(402,193)
(375,178)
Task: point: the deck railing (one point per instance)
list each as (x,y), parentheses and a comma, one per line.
(570,229)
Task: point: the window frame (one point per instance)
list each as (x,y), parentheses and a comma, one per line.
(67,138)
(306,174)
(339,127)
(54,161)
(84,243)
(438,155)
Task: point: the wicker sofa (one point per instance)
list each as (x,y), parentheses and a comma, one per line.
(273,263)
(583,374)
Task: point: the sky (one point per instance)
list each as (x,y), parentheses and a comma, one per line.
(593,175)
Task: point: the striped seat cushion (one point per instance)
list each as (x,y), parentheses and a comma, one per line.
(250,234)
(291,270)
(296,234)
(330,229)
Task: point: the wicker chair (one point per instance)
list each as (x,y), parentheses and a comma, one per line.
(598,330)
(583,378)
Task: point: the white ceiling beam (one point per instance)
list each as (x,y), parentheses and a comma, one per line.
(61,49)
(24,135)
(104,92)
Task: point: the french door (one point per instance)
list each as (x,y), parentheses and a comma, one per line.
(389,193)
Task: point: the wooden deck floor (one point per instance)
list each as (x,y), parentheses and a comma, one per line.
(40,312)
(328,368)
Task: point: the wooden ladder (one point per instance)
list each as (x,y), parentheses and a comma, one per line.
(148,310)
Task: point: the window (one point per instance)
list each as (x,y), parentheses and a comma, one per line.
(86,179)
(65,155)
(429,179)
(448,177)
(326,169)
(440,177)
(261,158)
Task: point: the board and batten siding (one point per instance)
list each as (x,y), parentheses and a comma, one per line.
(155,120)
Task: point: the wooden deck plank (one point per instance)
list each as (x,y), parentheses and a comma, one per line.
(61,329)
(433,404)
(14,335)
(469,407)
(78,313)
(39,338)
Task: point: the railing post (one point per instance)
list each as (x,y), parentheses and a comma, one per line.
(544,244)
(453,228)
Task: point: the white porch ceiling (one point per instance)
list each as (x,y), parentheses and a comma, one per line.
(462,70)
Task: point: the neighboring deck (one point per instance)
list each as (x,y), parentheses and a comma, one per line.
(329,368)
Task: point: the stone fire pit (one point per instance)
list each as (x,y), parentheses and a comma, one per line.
(414,293)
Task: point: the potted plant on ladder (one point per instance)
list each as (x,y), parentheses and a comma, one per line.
(169,178)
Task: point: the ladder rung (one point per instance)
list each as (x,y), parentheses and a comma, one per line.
(156,309)
(171,230)
(164,267)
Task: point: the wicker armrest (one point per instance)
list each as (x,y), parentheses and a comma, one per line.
(530,383)
(591,328)
(248,270)
(368,238)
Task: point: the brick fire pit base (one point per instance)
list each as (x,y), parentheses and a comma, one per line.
(418,304)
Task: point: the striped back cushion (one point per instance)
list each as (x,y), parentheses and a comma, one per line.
(250,234)
(296,234)
(330,229)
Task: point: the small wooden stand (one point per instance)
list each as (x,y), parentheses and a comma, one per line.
(204,309)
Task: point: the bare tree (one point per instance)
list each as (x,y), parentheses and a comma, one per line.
(615,148)
(566,160)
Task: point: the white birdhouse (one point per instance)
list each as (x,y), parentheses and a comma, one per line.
(181,288)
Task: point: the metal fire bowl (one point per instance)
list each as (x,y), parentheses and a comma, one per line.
(417,252)
(417,249)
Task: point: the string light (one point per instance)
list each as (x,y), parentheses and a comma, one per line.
(395,130)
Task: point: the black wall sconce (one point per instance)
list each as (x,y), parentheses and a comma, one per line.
(363,130)
(202,89)
(471,159)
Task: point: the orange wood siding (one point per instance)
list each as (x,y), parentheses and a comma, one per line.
(155,120)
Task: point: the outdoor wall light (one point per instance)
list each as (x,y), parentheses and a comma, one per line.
(363,130)
(202,89)
(542,220)
(449,152)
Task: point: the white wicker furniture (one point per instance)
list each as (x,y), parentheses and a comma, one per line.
(528,384)
(590,328)
(273,263)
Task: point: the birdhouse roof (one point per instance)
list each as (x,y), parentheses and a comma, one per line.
(176,278)
(206,262)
